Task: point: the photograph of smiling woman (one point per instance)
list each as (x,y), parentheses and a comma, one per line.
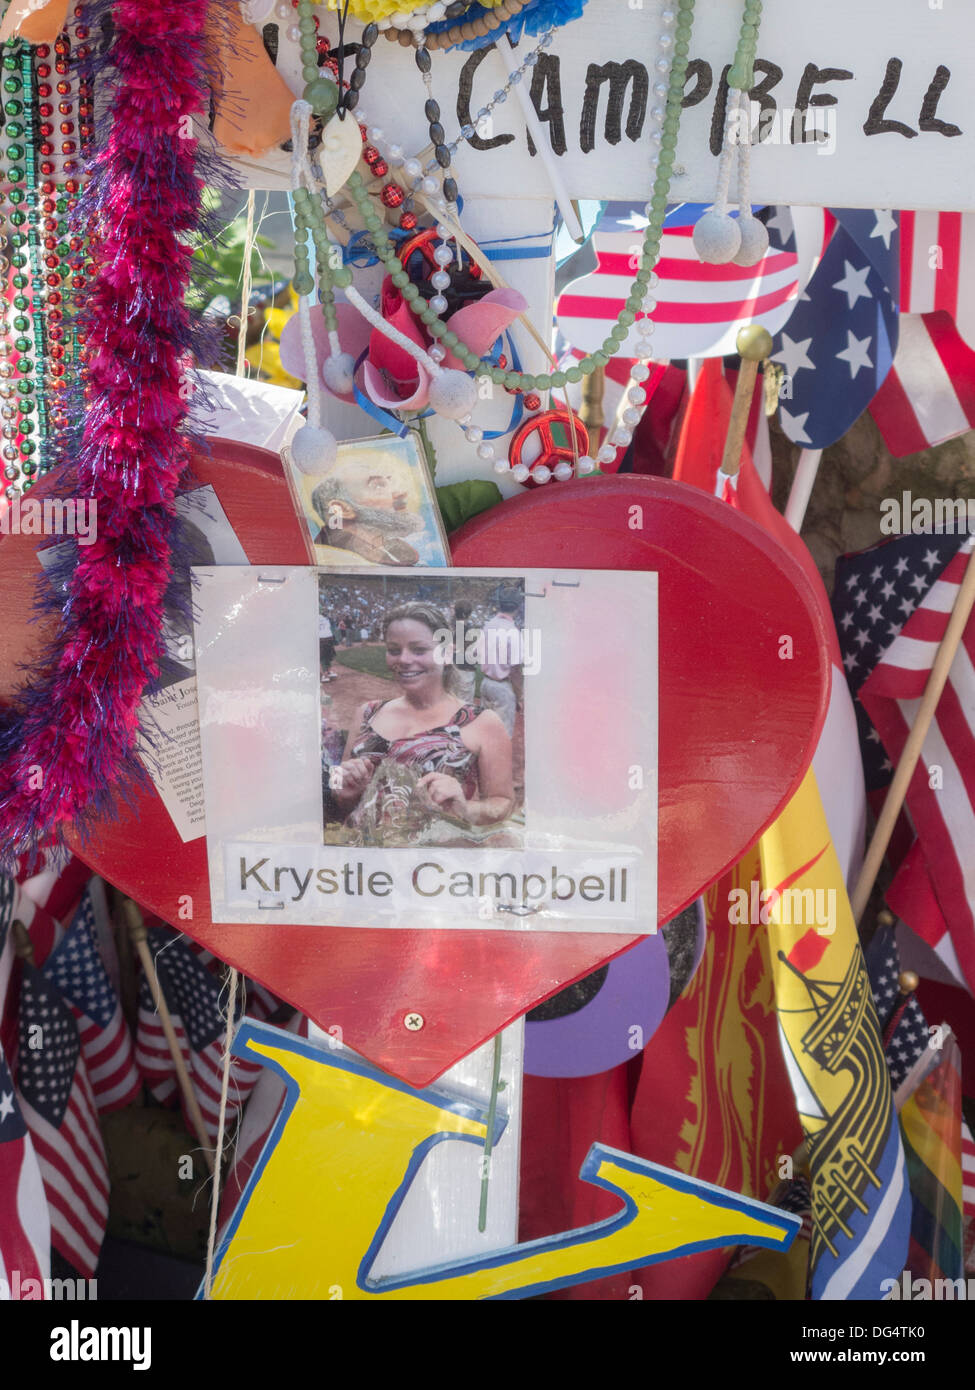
(429,765)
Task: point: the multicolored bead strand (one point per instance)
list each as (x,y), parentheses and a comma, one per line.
(663,162)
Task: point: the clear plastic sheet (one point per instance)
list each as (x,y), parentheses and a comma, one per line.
(427,748)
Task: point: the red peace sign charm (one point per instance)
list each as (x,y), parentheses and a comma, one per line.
(556,459)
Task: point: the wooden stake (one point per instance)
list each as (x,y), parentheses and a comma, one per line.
(937,680)
(754,344)
(137,931)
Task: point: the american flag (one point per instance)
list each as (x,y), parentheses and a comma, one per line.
(54,883)
(840,342)
(76,968)
(59,1107)
(935,248)
(942,808)
(929,394)
(874,593)
(700,307)
(910,1036)
(193,996)
(25,1227)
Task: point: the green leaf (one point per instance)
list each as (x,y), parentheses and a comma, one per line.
(460,501)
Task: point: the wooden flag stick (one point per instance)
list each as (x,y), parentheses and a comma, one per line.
(947,649)
(137,931)
(754,344)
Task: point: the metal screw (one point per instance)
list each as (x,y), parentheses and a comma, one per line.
(414,1022)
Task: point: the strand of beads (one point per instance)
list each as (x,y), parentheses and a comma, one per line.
(11,218)
(18,388)
(441,151)
(80,260)
(467,132)
(673,57)
(363,58)
(670,67)
(64,259)
(45,278)
(415,177)
(460,32)
(747,239)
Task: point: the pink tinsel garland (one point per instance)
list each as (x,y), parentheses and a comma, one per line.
(77,726)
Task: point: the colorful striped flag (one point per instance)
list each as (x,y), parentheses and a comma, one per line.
(700,307)
(931,1125)
(929,393)
(59,1108)
(941,795)
(76,968)
(832,1046)
(930,1114)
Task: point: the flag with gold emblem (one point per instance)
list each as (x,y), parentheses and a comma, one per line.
(861,1201)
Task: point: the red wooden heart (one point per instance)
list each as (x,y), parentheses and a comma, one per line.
(737,731)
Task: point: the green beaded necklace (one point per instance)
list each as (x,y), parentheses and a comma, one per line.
(24,398)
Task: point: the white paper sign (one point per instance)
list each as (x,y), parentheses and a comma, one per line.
(885,82)
(403,748)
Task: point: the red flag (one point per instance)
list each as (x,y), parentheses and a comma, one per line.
(714,1098)
(699,450)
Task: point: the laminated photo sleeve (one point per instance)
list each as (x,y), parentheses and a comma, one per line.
(334,796)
